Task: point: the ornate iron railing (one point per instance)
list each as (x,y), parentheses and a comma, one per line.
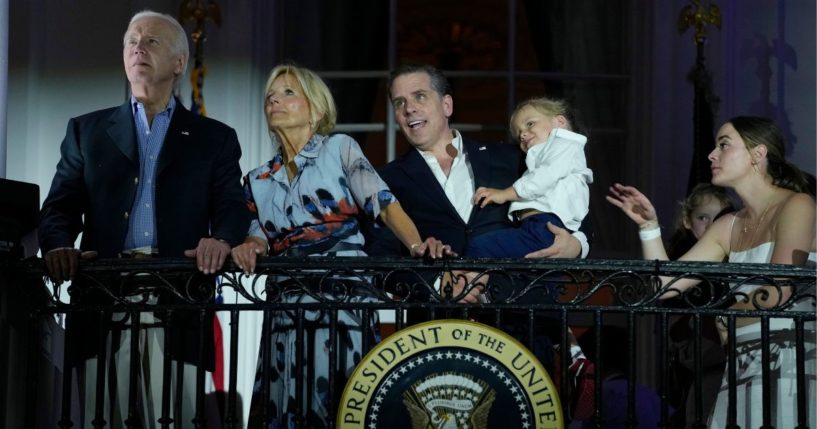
(525,296)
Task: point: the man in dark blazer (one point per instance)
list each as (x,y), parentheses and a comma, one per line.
(435,182)
(436,179)
(145,179)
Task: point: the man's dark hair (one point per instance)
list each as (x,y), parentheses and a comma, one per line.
(439,82)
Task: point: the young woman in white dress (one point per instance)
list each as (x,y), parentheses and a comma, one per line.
(776,225)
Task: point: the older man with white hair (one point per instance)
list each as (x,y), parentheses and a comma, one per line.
(144,179)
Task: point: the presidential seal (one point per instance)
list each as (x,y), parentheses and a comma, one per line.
(448,374)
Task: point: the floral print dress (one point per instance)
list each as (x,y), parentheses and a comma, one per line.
(317,214)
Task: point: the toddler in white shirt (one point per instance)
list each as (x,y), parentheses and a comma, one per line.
(553,189)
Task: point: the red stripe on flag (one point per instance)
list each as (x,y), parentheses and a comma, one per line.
(218,374)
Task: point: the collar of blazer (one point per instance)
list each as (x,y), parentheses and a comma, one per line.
(123,133)
(417,171)
(479,156)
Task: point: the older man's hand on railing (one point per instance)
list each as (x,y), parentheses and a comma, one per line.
(62,263)
(210,254)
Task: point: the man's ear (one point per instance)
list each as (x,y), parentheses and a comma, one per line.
(179,66)
(448,105)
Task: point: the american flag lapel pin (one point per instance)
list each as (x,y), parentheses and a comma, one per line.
(185,133)
(482,148)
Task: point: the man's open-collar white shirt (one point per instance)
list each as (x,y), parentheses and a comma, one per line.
(459,184)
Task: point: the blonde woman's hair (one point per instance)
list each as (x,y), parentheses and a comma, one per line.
(322,111)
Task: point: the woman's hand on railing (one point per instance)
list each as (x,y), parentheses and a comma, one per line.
(433,247)
(244,255)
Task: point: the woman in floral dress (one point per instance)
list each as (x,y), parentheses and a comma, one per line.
(307,201)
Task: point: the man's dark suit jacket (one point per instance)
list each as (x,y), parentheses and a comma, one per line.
(198,191)
(410,179)
(494,165)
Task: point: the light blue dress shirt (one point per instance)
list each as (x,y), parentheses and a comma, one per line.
(142,229)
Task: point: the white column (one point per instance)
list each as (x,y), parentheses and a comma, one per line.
(4,81)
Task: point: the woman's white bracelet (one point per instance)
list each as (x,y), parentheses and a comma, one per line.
(649,234)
